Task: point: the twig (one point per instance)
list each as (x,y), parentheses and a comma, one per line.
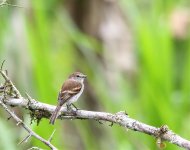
(17,119)
(120,118)
(3,60)
(34,148)
(50,138)
(13,5)
(31,133)
(25,139)
(4,2)
(18,95)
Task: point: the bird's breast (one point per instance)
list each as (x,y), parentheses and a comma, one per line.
(75,97)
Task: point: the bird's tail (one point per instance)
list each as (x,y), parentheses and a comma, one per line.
(54,115)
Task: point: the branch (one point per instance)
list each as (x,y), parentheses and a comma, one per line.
(17,119)
(119,118)
(31,133)
(43,110)
(4,2)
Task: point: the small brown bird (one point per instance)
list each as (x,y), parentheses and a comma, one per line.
(70,92)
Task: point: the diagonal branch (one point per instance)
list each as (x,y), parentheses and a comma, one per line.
(17,119)
(120,118)
(8,81)
(31,133)
(3,3)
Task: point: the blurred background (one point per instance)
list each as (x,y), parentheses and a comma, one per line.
(136,55)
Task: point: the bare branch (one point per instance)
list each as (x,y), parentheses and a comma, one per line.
(17,119)
(3,60)
(18,95)
(21,123)
(50,138)
(121,118)
(34,148)
(25,139)
(4,2)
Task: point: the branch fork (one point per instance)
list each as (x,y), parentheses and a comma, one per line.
(42,110)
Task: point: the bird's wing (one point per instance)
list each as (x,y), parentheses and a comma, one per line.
(69,89)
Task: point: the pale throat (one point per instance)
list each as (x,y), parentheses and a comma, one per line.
(81,80)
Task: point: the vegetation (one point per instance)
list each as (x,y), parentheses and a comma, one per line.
(43,42)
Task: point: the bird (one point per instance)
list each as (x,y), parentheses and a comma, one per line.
(70,91)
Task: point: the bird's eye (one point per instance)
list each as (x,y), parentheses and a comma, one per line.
(78,76)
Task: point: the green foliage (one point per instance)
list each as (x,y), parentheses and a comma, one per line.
(8,136)
(56,47)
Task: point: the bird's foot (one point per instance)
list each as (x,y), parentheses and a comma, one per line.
(69,109)
(72,110)
(75,107)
